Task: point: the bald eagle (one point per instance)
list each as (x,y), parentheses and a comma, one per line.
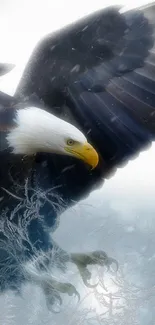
(87,92)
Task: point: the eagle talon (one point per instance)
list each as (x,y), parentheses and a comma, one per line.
(51,290)
(94,258)
(113,261)
(67,288)
(77,295)
(52,298)
(86,275)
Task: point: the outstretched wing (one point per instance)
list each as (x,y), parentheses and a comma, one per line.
(120,117)
(106,41)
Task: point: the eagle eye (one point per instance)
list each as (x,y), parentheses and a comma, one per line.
(70,142)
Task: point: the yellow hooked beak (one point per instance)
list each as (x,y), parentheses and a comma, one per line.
(85,152)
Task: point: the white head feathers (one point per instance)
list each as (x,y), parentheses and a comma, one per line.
(39,131)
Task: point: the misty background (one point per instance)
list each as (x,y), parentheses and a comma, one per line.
(117,218)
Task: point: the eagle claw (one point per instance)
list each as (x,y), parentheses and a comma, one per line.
(52,295)
(69,289)
(53,299)
(82,260)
